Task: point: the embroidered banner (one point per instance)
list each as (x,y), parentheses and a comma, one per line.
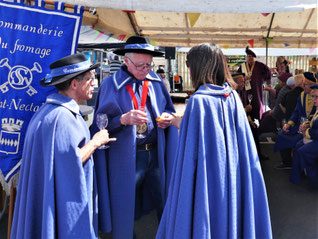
(31,37)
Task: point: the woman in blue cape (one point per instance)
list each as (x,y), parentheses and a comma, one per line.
(217,188)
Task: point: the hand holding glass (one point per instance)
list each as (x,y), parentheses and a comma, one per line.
(302,121)
(141,135)
(102,122)
(249,97)
(282,123)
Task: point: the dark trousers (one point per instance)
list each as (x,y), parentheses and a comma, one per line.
(267,123)
(286,155)
(148,176)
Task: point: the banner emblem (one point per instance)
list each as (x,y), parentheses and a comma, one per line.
(19,77)
(9,137)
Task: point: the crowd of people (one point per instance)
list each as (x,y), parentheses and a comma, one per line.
(200,171)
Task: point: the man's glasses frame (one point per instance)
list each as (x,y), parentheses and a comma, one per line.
(142,67)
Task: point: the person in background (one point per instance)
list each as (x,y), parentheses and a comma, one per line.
(57,189)
(289,135)
(306,152)
(133,174)
(114,65)
(282,65)
(289,101)
(105,68)
(162,74)
(271,118)
(239,80)
(274,92)
(217,188)
(299,71)
(256,74)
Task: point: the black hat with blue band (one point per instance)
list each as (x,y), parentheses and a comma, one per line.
(138,44)
(67,68)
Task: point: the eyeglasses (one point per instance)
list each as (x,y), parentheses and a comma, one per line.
(314,96)
(141,66)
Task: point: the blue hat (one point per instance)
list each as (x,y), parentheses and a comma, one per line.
(311,76)
(67,68)
(314,87)
(138,44)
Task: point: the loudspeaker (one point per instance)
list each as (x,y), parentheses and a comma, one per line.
(170,53)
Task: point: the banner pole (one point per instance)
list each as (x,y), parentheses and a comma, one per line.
(11,209)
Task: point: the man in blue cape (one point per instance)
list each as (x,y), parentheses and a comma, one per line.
(56,192)
(217,188)
(134,172)
(289,136)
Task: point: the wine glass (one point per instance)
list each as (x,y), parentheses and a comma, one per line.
(102,122)
(281,125)
(302,121)
(142,127)
(249,97)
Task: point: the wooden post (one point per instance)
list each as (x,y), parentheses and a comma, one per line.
(11,209)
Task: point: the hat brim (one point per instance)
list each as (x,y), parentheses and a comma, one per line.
(122,52)
(314,87)
(61,79)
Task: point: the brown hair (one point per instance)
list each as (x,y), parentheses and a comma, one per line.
(207,65)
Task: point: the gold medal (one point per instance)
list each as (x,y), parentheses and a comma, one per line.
(141,128)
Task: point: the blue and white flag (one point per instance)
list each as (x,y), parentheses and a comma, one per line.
(31,37)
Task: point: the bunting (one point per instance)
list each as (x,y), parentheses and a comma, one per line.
(226,47)
(251,42)
(98,34)
(193,17)
(109,36)
(269,39)
(122,37)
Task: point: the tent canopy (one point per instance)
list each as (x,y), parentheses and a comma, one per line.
(231,24)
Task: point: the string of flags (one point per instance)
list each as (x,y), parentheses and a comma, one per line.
(120,37)
(124,37)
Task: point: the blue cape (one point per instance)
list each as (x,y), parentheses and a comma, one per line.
(115,167)
(217,188)
(56,197)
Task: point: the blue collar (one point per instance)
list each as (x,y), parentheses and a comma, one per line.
(210,89)
(64,101)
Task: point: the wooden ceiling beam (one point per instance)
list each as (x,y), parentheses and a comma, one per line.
(307,22)
(134,23)
(214,29)
(219,36)
(187,25)
(230,43)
